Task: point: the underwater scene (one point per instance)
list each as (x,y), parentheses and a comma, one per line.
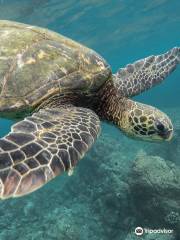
(123,188)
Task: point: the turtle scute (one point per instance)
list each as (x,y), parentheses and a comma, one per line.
(37,63)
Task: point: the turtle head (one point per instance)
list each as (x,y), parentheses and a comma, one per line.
(146,123)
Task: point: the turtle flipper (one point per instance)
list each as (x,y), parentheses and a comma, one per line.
(146,73)
(43,146)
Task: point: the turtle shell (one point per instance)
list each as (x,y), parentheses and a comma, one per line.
(36,63)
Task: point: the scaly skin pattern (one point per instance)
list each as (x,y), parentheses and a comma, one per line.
(146,73)
(43,146)
(134,119)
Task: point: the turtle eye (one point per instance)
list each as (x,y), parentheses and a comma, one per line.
(160,126)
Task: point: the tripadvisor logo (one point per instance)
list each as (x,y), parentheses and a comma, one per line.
(139,231)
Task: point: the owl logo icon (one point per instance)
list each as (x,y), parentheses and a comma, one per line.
(139,231)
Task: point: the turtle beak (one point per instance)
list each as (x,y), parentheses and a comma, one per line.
(166,134)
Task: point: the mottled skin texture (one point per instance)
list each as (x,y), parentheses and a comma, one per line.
(67,88)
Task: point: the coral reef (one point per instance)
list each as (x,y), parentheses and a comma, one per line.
(155,186)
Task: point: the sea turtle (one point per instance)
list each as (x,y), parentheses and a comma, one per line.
(63,89)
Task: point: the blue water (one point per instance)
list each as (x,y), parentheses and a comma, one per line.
(86,205)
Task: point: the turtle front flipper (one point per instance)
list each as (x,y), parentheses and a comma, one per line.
(146,73)
(43,146)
